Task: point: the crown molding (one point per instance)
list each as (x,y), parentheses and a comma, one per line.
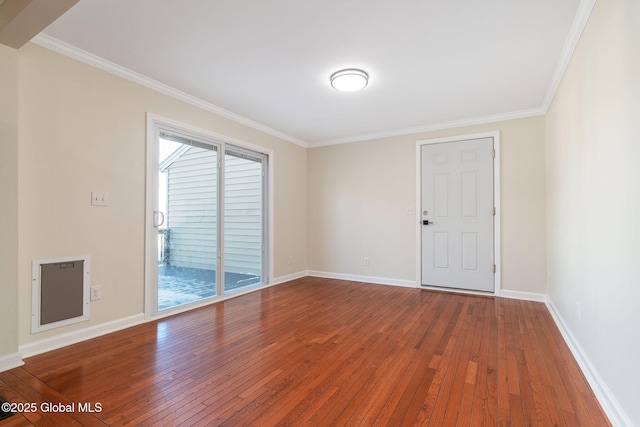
(580,21)
(435,126)
(110,67)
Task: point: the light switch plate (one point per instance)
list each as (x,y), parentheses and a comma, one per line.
(99,198)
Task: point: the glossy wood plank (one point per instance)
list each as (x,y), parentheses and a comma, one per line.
(320,352)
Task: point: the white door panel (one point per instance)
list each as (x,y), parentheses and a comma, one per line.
(457,214)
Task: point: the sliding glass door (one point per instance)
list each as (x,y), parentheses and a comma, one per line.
(208,233)
(243,218)
(187,219)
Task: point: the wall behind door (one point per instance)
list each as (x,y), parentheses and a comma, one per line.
(358,193)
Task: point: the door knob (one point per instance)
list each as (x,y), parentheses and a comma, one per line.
(425,222)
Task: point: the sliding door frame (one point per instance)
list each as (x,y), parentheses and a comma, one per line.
(223,143)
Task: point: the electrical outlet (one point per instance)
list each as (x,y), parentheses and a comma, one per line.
(366,261)
(290,259)
(96,292)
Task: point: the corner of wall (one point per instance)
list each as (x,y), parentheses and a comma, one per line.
(9,355)
(609,403)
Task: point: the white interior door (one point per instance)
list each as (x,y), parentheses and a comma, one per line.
(457,213)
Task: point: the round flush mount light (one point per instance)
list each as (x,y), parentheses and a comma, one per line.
(349,80)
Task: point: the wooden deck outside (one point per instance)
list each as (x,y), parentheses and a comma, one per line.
(319,352)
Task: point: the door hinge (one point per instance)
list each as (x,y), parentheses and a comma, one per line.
(494,211)
(494,268)
(494,153)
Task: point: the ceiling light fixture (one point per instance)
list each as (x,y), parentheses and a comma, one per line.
(349,80)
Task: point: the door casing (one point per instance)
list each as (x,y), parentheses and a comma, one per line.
(496,190)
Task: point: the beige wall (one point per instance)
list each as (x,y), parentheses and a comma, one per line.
(593,146)
(68,128)
(8,202)
(83,129)
(358,193)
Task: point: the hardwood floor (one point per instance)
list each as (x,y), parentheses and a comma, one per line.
(319,352)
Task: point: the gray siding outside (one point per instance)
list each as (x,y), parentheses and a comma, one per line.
(243,216)
(191,212)
(191,209)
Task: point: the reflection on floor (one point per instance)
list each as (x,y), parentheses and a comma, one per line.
(180,285)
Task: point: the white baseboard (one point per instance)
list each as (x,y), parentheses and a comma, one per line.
(10,361)
(612,408)
(365,279)
(609,403)
(59,341)
(527,296)
(504,293)
(288,277)
(74,337)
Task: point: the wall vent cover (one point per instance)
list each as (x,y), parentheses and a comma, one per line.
(60,292)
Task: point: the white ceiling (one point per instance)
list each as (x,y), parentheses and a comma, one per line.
(432,63)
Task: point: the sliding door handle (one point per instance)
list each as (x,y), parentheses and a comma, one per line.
(158,219)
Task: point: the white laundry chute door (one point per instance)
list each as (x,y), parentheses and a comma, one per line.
(457,214)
